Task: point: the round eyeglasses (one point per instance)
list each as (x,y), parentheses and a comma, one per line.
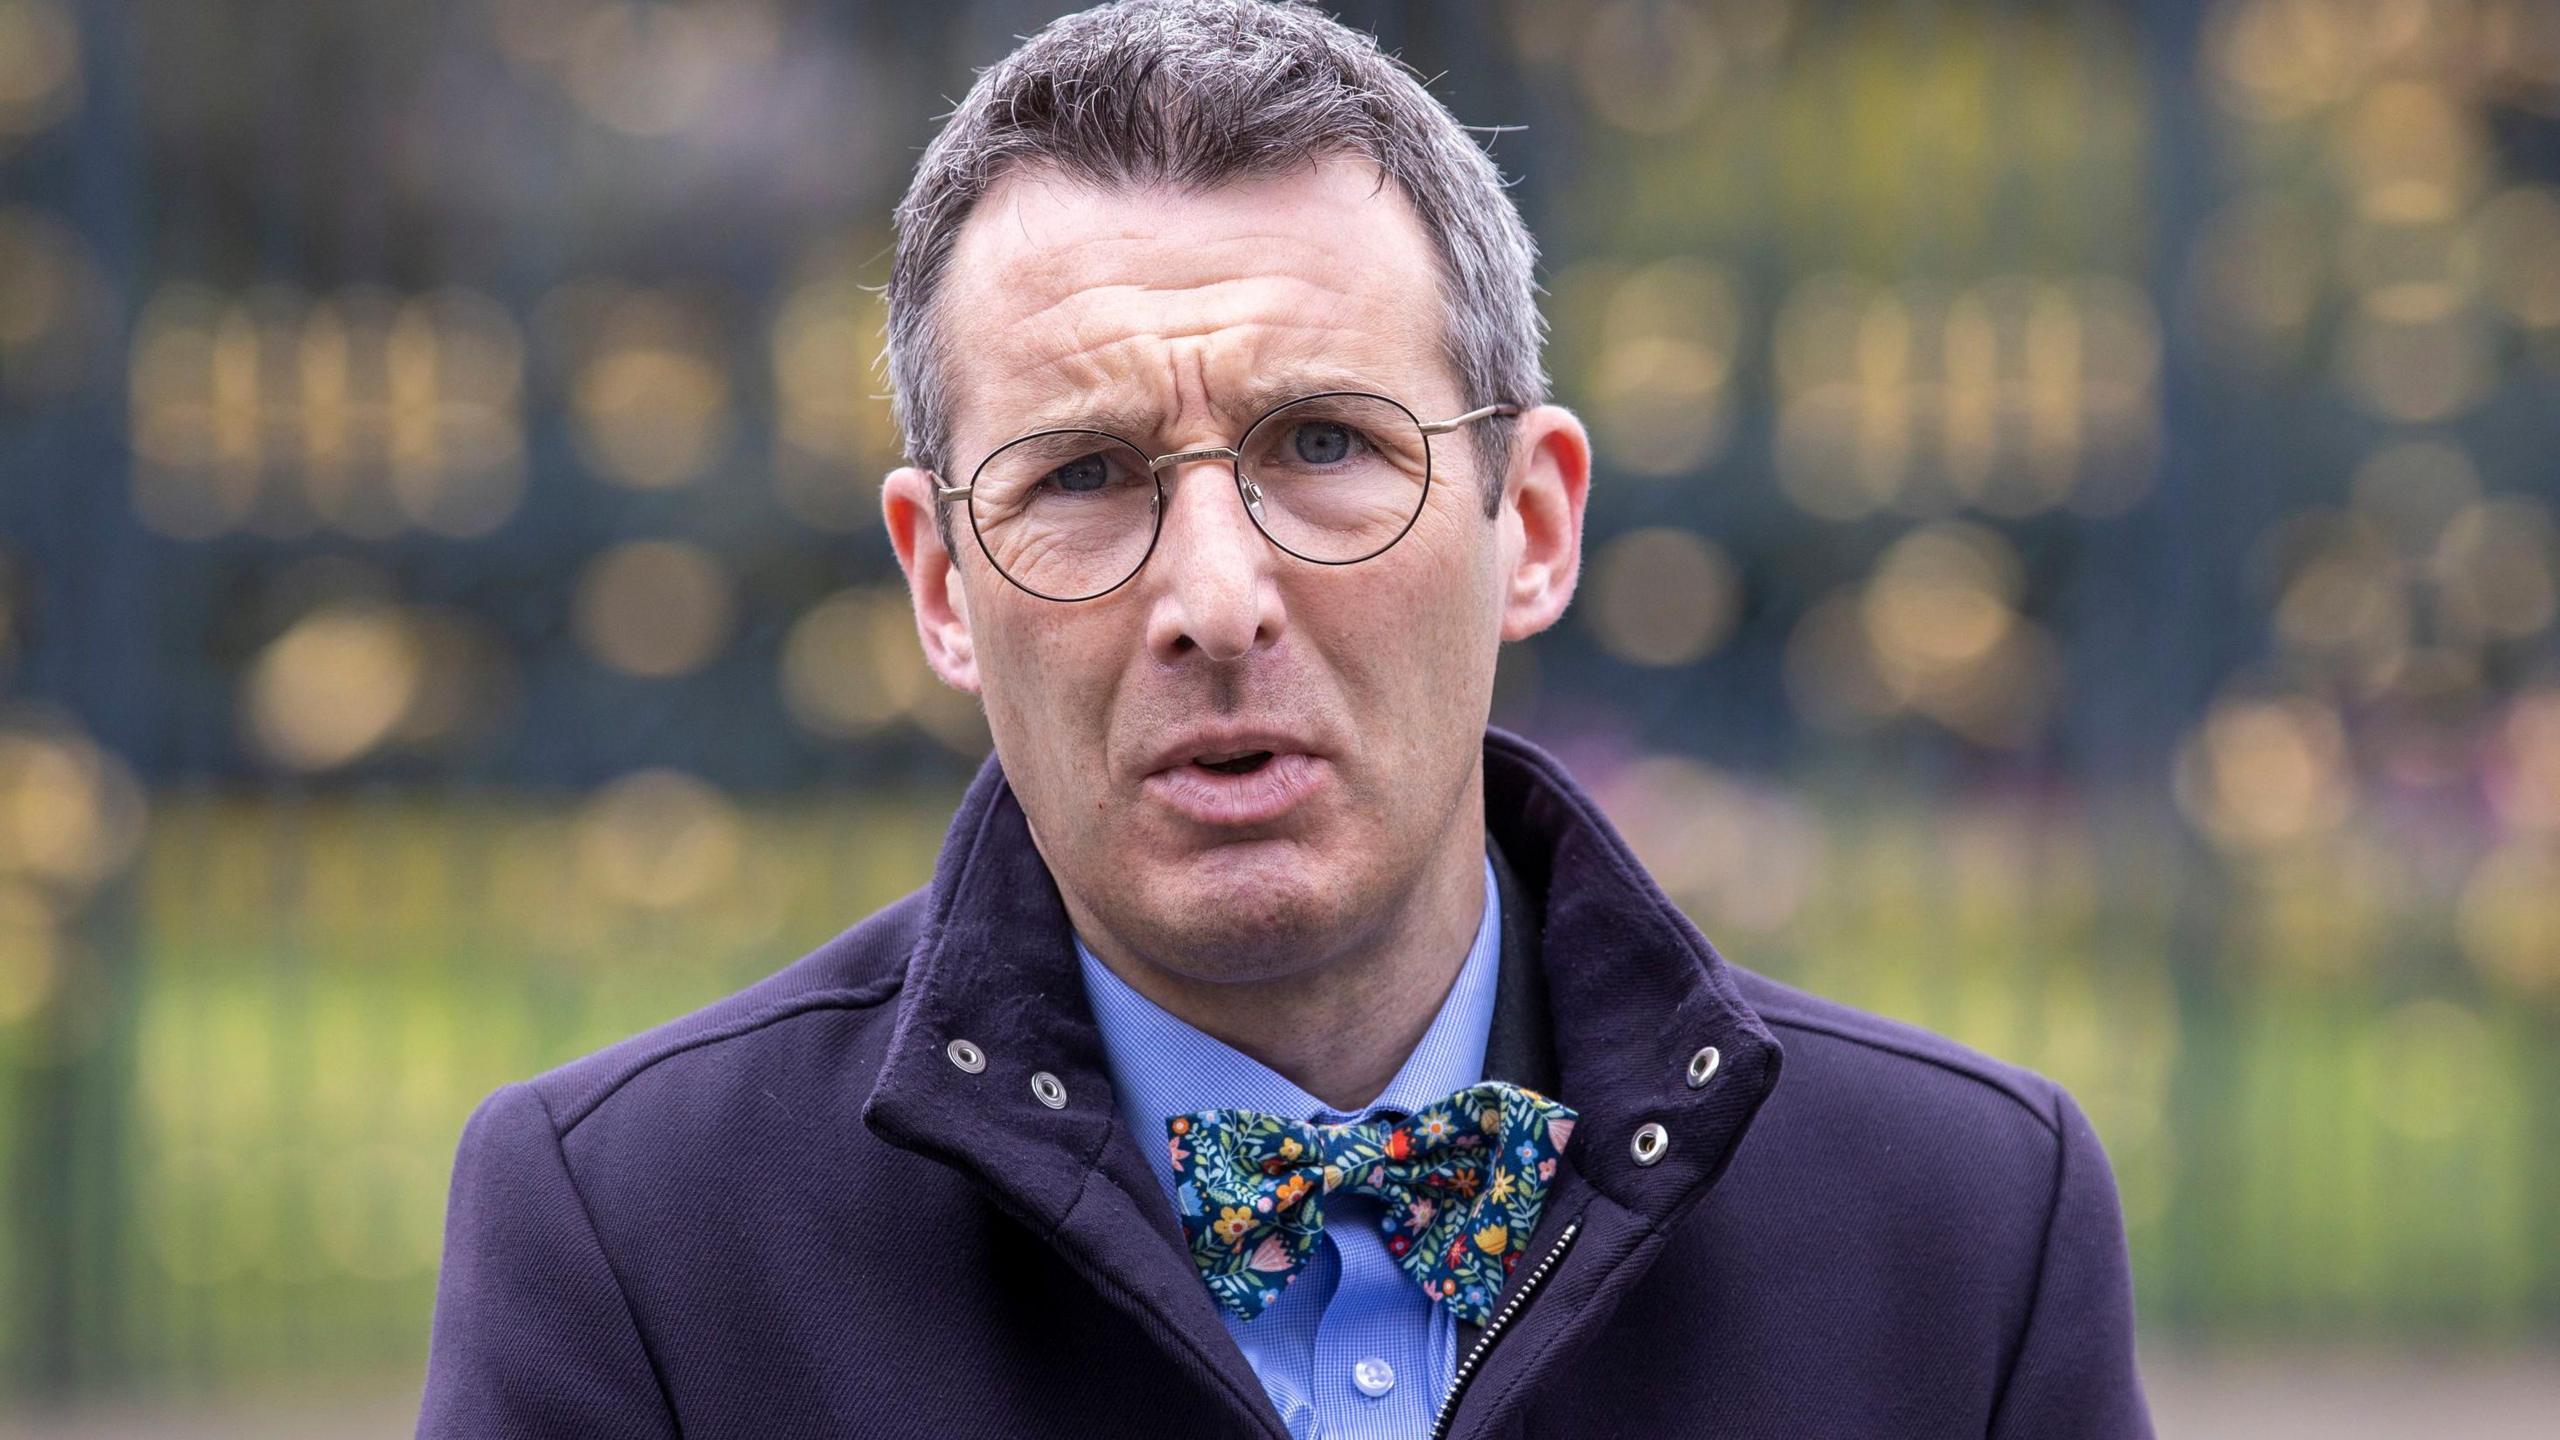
(1333,478)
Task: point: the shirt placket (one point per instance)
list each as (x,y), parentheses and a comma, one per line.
(1383,1349)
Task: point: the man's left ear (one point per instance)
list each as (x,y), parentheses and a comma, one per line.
(1541,518)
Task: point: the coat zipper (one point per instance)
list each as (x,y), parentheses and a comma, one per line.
(1493,1329)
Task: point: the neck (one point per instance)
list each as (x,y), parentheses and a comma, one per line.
(1342,1027)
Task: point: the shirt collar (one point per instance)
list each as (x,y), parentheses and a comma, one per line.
(1162,1065)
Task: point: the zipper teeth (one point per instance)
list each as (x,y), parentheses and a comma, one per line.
(1493,1329)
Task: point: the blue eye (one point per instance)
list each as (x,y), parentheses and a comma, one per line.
(1081,476)
(1320,442)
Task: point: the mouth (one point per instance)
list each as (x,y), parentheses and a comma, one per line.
(1228,750)
(1241,762)
(1236,789)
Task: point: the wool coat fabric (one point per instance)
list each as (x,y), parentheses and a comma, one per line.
(793,1214)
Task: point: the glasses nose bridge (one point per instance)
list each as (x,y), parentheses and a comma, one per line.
(1162,463)
(1249,491)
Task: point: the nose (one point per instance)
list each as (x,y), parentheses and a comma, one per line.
(1209,570)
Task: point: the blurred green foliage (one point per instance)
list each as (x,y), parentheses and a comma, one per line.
(327,986)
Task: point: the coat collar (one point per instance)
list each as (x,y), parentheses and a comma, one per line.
(1631,992)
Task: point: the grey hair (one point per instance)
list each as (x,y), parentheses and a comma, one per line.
(1200,93)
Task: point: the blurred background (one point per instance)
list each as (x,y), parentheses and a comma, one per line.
(2072,565)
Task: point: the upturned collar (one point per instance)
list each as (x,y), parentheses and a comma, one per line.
(994,1065)
(1635,997)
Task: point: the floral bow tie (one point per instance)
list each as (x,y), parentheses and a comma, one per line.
(1462,1179)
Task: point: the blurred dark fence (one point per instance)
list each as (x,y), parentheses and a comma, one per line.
(2072,565)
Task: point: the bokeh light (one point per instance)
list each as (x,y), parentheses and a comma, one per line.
(1934,631)
(2012,396)
(2509,925)
(1842,352)
(2524,773)
(832,418)
(356,676)
(1733,852)
(2516,239)
(644,67)
(655,608)
(850,664)
(1940,600)
(366,412)
(1663,596)
(2415,369)
(2265,773)
(2493,567)
(2281,59)
(332,688)
(2411,488)
(1661,400)
(39,67)
(2340,597)
(2409,151)
(1832,675)
(56,309)
(659,839)
(1648,66)
(71,812)
(2256,277)
(648,388)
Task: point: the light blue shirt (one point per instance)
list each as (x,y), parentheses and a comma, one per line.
(1352,1347)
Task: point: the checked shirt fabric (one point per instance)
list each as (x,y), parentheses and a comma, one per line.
(1462,1180)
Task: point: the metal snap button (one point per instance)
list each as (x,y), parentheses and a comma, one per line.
(967,1056)
(1702,1066)
(1651,1140)
(1047,1089)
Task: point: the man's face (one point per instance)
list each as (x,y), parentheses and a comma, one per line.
(1368,684)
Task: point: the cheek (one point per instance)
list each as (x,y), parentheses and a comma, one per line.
(1425,628)
(1044,679)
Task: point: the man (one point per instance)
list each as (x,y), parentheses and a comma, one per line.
(1277,1050)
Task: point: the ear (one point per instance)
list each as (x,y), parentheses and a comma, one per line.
(933,580)
(1541,518)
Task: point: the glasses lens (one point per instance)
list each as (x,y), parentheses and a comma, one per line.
(1066,514)
(1336,478)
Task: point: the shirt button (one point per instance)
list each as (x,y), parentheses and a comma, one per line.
(1374,1376)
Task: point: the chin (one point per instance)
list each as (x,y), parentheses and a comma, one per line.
(1241,914)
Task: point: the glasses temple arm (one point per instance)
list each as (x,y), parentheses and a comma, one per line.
(1443,427)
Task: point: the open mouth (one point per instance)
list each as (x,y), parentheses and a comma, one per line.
(1225,790)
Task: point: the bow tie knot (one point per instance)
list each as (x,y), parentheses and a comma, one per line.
(1462,1179)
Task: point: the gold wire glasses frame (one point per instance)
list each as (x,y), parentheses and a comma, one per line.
(1065,540)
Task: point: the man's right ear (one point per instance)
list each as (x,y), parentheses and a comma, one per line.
(933,580)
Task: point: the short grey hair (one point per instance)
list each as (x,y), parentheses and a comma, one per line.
(1200,93)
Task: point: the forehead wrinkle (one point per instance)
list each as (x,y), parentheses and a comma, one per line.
(1074,365)
(1073,368)
(1308,362)
(1140,422)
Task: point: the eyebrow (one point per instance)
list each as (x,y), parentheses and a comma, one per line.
(1138,424)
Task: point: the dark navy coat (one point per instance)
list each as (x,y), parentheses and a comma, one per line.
(793,1214)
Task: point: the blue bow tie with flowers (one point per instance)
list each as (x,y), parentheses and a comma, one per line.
(1462,1177)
